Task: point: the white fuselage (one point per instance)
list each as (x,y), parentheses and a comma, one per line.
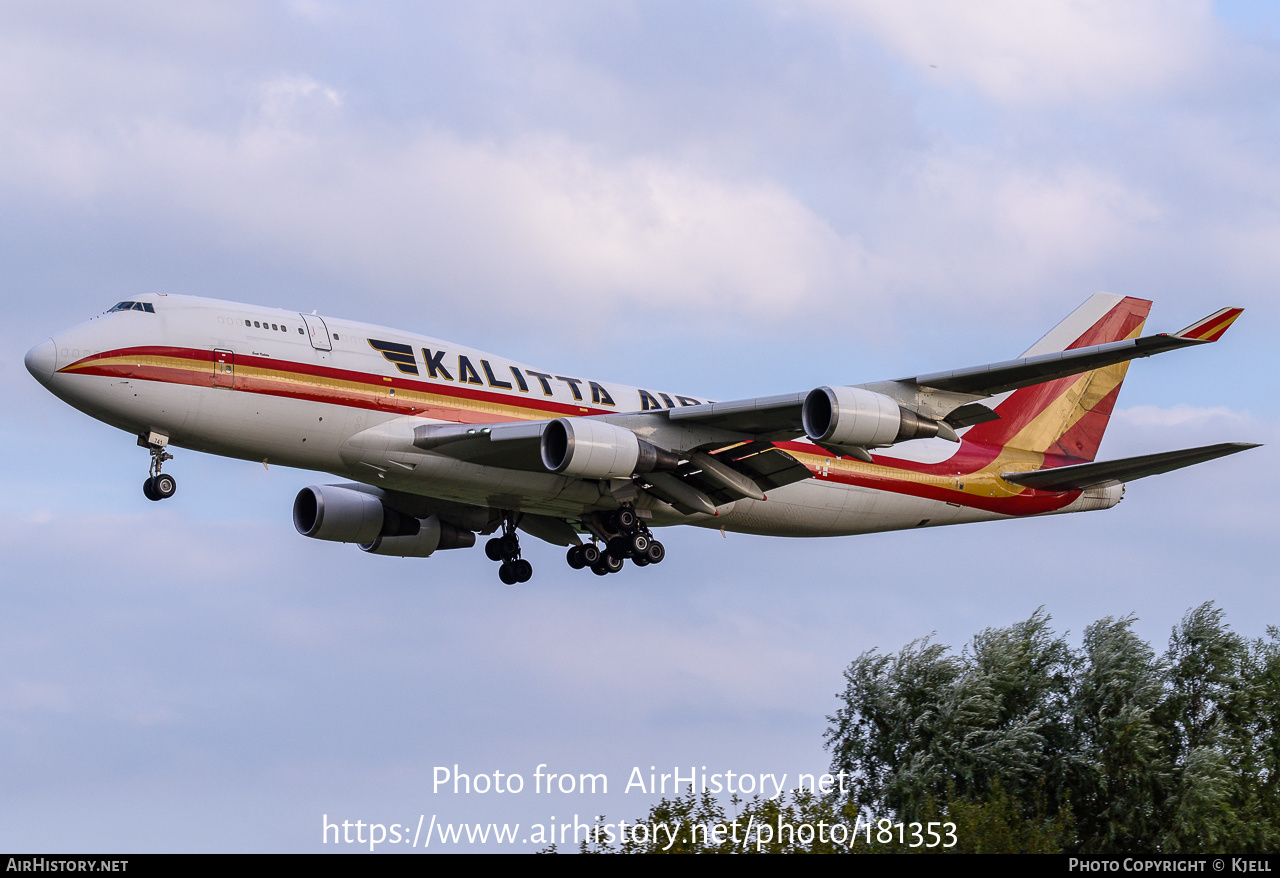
(339,397)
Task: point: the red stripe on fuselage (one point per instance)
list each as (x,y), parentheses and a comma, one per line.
(970,457)
(335,395)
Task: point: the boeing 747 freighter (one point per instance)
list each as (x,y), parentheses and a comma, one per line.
(441,442)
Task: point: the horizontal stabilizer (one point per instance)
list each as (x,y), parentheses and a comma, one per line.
(1087,475)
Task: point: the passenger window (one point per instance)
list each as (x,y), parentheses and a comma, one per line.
(247,323)
(257,325)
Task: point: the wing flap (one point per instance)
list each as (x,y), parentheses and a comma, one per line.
(1087,475)
(767,465)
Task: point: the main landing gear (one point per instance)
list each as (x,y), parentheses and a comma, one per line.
(627,537)
(158,486)
(506,548)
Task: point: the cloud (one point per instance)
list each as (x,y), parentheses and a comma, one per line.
(545,226)
(1144,429)
(533,221)
(1178,415)
(1046,52)
(287,96)
(550,224)
(971,221)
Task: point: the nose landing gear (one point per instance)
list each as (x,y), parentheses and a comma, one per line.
(158,486)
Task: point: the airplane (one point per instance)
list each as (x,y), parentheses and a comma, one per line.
(442,442)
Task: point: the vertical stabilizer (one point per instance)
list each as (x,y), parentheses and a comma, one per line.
(1066,417)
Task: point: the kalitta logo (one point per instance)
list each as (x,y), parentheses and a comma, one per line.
(463,371)
(399,354)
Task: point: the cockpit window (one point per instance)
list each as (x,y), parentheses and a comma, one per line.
(134,306)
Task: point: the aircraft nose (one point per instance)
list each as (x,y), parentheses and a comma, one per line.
(41,360)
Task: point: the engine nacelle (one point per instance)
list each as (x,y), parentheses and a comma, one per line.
(340,514)
(585,448)
(853,416)
(850,416)
(433,535)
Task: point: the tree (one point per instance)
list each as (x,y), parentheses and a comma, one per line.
(1027,744)
(1108,748)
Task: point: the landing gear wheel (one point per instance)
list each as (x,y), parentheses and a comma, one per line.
(158,486)
(590,554)
(625,519)
(509,545)
(655,553)
(617,547)
(505,547)
(641,561)
(610,562)
(575,558)
(163,486)
(598,570)
(638,544)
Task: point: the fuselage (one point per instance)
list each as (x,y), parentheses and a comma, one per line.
(320,393)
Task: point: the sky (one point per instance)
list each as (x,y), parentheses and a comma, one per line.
(726,199)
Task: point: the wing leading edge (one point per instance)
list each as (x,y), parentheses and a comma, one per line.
(952,395)
(1010,375)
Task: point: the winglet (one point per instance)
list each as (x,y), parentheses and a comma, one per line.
(1212,327)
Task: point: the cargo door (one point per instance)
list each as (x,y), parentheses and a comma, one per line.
(317,332)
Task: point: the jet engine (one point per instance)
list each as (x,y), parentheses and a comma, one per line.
(346,515)
(589,449)
(433,535)
(854,417)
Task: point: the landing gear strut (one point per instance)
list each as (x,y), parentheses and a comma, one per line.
(627,537)
(506,548)
(158,486)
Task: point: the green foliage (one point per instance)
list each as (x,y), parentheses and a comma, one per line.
(927,726)
(1023,744)
(1108,748)
(999,824)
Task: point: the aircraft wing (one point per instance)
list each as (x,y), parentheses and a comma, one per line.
(1087,475)
(765,417)
(727,450)
(718,471)
(1010,375)
(951,396)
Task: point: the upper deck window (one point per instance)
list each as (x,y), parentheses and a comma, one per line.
(134,306)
